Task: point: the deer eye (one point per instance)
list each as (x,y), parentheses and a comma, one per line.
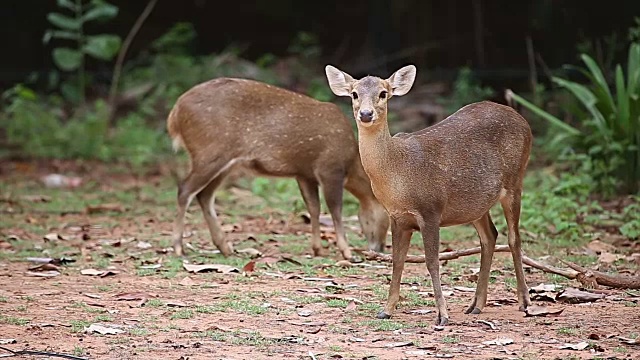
(354,95)
(383,95)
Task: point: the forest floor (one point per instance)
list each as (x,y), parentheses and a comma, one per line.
(107,286)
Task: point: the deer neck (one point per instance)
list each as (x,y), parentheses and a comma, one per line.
(375,147)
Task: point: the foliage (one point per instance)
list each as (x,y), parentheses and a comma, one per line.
(631,227)
(466,90)
(39,132)
(609,129)
(100,47)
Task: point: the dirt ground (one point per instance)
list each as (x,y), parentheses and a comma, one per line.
(284,304)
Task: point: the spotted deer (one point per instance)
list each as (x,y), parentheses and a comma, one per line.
(228,123)
(448,174)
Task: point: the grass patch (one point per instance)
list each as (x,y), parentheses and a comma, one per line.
(383,324)
(451,339)
(4,299)
(79,325)
(12,320)
(337,303)
(182,314)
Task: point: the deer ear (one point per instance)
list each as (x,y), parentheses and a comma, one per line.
(339,81)
(402,80)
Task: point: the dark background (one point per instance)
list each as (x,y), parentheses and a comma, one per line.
(359,36)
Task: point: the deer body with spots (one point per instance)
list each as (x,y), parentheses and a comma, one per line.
(227,123)
(448,174)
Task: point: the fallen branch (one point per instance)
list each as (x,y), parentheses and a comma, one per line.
(587,277)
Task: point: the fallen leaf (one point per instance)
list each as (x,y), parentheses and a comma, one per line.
(355,339)
(8,341)
(100,273)
(418,352)
(313,330)
(443,356)
(102,330)
(464,289)
(218,327)
(36,198)
(176,304)
(54,261)
(151,266)
(575,296)
(535,310)
(187,281)
(93,296)
(398,344)
(419,311)
(579,346)
(254,253)
(351,306)
(609,258)
(343,263)
(45,274)
(305,313)
(132,296)
(292,276)
(249,267)
(143,245)
(307,323)
(53,237)
(225,269)
(544,296)
(499,342)
(113,207)
(44,267)
(600,247)
(542,288)
(628,341)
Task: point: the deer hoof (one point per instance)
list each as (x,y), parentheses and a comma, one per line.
(473,310)
(442,321)
(383,315)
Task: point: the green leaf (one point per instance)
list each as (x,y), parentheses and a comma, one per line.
(623,101)
(587,99)
(103,47)
(633,68)
(602,88)
(67,59)
(59,34)
(63,21)
(545,115)
(67,4)
(100,11)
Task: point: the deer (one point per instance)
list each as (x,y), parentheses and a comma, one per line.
(447,174)
(232,123)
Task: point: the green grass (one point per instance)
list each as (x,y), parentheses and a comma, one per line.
(12,320)
(182,314)
(79,351)
(451,339)
(154,303)
(79,325)
(383,324)
(337,303)
(4,299)
(567,331)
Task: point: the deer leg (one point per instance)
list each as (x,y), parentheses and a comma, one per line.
(511,206)
(400,240)
(488,234)
(187,190)
(430,229)
(332,188)
(206,200)
(309,190)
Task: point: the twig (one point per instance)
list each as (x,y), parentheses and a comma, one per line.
(583,275)
(46,353)
(123,51)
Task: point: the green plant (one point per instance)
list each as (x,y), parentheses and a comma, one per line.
(101,47)
(466,90)
(631,227)
(609,132)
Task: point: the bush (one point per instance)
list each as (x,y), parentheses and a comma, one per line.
(466,90)
(609,128)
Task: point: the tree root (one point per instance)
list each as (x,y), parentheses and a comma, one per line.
(588,278)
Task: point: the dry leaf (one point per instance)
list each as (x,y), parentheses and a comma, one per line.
(93,296)
(464,289)
(100,273)
(176,304)
(579,346)
(104,208)
(102,330)
(499,342)
(53,237)
(609,258)
(313,330)
(44,267)
(7,341)
(398,344)
(344,263)
(132,296)
(305,313)
(419,311)
(45,274)
(187,281)
(628,341)
(535,310)
(251,252)
(600,247)
(225,269)
(249,267)
(542,288)
(143,245)
(351,306)
(575,296)
(307,323)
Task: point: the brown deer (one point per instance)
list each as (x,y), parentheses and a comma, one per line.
(227,123)
(448,174)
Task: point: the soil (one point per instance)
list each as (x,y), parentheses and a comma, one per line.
(274,311)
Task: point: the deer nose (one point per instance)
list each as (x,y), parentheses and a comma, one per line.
(366,115)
